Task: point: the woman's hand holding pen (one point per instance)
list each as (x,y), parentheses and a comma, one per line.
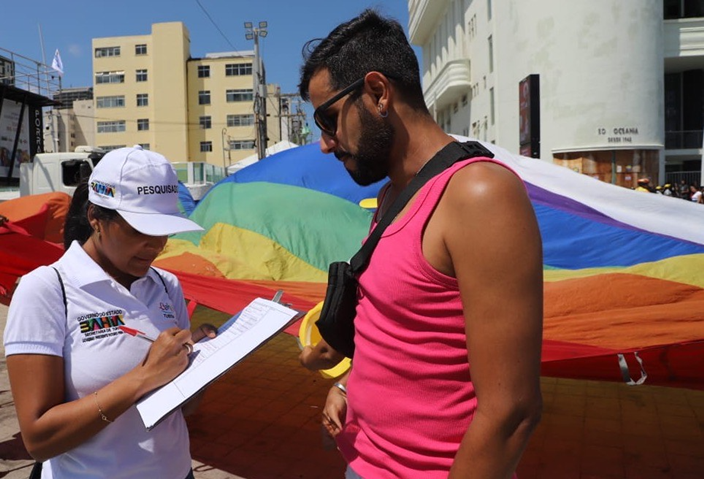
(168,355)
(167,358)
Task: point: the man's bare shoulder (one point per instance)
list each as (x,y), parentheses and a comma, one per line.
(484,180)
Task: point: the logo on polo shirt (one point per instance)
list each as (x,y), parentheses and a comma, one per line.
(100,325)
(157,189)
(103,189)
(167,310)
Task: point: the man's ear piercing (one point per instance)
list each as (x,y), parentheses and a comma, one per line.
(382,113)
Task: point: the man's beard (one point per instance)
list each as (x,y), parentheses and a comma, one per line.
(371,162)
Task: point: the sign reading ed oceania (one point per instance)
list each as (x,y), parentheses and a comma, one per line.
(618,134)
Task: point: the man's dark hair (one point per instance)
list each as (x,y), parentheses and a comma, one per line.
(368,42)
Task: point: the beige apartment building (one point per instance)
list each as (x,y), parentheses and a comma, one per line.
(149,91)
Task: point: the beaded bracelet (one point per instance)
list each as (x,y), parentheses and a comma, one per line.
(341,387)
(102,414)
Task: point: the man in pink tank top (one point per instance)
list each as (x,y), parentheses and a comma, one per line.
(448,328)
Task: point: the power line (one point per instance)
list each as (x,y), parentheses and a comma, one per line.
(215,25)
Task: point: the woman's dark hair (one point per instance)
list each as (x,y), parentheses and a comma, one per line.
(368,42)
(76,226)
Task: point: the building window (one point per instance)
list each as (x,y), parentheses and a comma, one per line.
(238,69)
(239,95)
(140,49)
(491,54)
(240,120)
(141,75)
(142,99)
(472,26)
(673,9)
(205,122)
(204,97)
(206,146)
(145,146)
(242,145)
(110,147)
(491,104)
(203,71)
(143,124)
(107,52)
(109,77)
(110,101)
(111,126)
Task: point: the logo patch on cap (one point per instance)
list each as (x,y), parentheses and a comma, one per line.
(102,189)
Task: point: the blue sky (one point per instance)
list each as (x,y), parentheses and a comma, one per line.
(70,25)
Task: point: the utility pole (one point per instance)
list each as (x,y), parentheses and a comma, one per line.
(225,142)
(295,118)
(259,80)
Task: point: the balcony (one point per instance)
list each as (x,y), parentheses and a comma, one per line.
(423,17)
(684,40)
(452,81)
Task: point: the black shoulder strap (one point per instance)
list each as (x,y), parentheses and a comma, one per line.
(161,278)
(63,290)
(447,156)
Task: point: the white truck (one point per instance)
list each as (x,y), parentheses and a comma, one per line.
(49,172)
(64,171)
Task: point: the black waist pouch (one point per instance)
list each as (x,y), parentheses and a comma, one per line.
(336,322)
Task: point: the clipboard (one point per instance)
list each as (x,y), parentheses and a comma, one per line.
(241,335)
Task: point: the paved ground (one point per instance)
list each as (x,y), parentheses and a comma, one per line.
(262,421)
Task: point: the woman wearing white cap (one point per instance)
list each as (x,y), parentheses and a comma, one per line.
(75,375)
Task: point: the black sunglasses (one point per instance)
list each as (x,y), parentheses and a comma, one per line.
(326,124)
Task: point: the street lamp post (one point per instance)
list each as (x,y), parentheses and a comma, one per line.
(259,79)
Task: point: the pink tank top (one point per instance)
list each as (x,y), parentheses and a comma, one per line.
(410,393)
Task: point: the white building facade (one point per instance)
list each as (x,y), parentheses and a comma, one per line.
(67,128)
(608,88)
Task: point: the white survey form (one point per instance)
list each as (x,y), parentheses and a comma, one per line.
(239,336)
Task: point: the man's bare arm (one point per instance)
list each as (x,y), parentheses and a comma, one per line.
(493,242)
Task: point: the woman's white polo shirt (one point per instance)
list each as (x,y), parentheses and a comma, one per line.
(96,352)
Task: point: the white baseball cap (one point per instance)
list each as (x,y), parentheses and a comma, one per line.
(142,186)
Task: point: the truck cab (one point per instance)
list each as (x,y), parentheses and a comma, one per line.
(48,172)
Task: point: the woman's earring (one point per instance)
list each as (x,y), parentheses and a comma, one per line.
(382,113)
